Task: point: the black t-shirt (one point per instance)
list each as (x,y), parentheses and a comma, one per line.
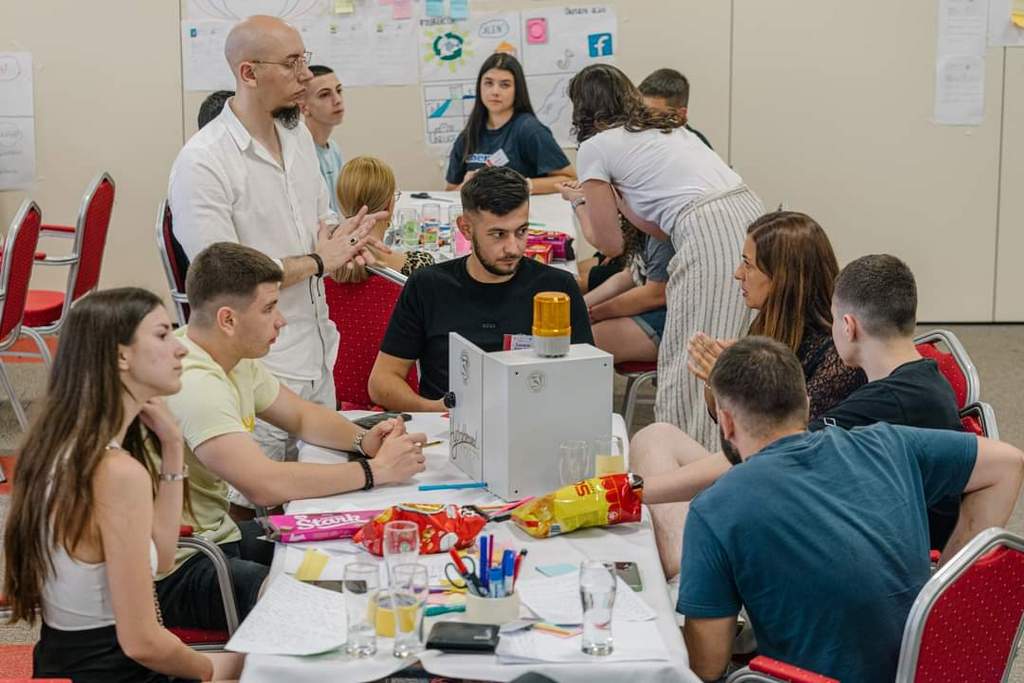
(529,145)
(915,394)
(443,298)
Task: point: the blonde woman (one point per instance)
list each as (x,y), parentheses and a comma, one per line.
(368,181)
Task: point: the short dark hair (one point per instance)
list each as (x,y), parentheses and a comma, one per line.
(225,270)
(880,290)
(320,70)
(667,83)
(763,382)
(213,105)
(497,189)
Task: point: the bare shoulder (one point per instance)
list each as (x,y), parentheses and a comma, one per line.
(119,471)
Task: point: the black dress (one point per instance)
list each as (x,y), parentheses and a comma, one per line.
(829,380)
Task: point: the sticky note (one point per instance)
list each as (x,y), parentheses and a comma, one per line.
(536,31)
(344,7)
(435,8)
(401,9)
(312,565)
(557,569)
(459,9)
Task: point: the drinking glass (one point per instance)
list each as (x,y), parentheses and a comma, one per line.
(360,584)
(430,213)
(608,456)
(597,593)
(574,461)
(410,587)
(401,544)
(409,227)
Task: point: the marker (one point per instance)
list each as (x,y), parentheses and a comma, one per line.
(508,570)
(482,565)
(453,485)
(437,610)
(496,583)
(519,562)
(490,552)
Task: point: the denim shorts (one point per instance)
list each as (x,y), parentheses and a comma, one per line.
(652,323)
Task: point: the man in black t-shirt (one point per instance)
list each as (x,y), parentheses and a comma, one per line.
(483,296)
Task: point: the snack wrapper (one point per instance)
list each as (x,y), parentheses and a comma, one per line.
(442,527)
(560,243)
(539,252)
(317,526)
(598,501)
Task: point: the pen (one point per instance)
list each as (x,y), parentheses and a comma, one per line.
(453,485)
(508,570)
(490,551)
(482,565)
(515,571)
(433,443)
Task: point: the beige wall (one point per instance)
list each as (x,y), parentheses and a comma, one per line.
(827,105)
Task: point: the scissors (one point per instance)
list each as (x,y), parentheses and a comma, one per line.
(465,575)
(424,195)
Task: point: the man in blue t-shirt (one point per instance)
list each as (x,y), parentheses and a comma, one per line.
(822,537)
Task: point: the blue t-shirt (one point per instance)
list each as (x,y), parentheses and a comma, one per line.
(330,168)
(529,145)
(824,538)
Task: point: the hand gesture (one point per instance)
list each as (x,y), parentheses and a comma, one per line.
(349,241)
(160,421)
(571,190)
(704,351)
(400,455)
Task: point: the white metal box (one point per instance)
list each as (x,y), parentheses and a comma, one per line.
(513,409)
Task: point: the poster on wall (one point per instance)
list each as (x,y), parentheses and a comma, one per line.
(960,63)
(17,125)
(455,50)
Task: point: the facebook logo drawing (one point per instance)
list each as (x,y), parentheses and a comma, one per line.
(599,44)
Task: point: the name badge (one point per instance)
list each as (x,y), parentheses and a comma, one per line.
(499,158)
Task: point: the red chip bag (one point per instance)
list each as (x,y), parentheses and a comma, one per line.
(442,527)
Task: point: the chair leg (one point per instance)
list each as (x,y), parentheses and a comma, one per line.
(19,412)
(632,392)
(44,350)
(630,381)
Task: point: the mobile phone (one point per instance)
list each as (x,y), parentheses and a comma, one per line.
(630,573)
(371,421)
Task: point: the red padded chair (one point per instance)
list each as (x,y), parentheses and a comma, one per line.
(965,623)
(46,310)
(173,258)
(362,311)
(15,272)
(979,418)
(637,374)
(955,365)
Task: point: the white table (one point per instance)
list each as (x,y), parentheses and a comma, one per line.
(547,212)
(633,542)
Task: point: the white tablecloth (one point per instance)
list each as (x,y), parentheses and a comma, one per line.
(547,212)
(633,542)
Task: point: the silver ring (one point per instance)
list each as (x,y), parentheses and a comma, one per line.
(352,241)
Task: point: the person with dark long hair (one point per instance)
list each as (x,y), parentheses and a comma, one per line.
(90,521)
(665,181)
(503,130)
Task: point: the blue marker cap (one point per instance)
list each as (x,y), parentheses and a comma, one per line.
(508,569)
(497,583)
(482,567)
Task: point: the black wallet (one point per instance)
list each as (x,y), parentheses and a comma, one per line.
(455,636)
(371,421)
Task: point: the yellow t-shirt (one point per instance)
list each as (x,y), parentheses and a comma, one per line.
(211,403)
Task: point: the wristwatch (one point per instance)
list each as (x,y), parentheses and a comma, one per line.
(175,476)
(578,202)
(357,443)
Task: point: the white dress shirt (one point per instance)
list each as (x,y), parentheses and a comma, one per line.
(226,187)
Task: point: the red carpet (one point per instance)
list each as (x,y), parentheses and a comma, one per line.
(15,661)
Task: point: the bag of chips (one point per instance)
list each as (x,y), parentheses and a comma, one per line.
(598,501)
(442,527)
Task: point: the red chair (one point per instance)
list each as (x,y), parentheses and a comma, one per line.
(637,374)
(979,418)
(15,273)
(362,311)
(174,260)
(964,624)
(955,365)
(46,310)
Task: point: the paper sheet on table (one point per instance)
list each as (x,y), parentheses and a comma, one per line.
(557,600)
(632,642)
(292,618)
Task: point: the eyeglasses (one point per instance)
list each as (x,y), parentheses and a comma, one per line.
(296,64)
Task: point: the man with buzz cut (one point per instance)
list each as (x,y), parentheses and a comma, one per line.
(483,296)
(233,292)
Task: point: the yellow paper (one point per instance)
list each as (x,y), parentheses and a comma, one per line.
(312,565)
(344,7)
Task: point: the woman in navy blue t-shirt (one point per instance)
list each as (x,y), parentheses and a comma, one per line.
(503,131)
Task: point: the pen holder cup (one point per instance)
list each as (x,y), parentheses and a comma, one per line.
(491,610)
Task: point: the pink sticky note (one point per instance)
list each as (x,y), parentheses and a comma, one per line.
(536,30)
(401,9)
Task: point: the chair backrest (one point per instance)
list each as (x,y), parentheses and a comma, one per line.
(16,269)
(955,365)
(174,260)
(966,622)
(361,311)
(91,237)
(979,418)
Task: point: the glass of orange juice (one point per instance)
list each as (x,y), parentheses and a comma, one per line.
(608,455)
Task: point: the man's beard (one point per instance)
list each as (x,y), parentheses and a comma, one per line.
(731,454)
(288,116)
(489,266)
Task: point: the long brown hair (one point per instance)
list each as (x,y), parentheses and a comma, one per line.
(796,255)
(52,500)
(369,182)
(603,97)
(476,124)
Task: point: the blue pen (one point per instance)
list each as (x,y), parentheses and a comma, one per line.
(508,570)
(453,485)
(497,583)
(481,565)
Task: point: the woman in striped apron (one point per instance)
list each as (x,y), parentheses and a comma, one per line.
(665,181)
